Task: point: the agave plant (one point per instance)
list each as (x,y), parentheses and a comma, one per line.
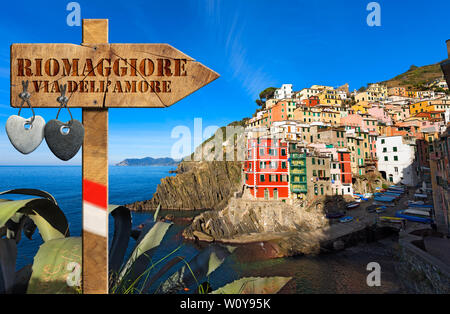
(57,265)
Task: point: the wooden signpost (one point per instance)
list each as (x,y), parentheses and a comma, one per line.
(101,76)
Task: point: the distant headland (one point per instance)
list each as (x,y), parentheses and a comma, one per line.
(149,161)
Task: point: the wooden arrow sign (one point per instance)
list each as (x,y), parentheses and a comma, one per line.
(106,75)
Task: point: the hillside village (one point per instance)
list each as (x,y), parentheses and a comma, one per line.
(320,141)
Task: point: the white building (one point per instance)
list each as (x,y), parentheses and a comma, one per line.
(284,92)
(287,130)
(307,92)
(396,159)
(341,94)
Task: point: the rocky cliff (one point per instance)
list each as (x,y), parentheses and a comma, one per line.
(197,185)
(204,184)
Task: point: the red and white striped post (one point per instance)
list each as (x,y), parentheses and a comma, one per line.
(95,181)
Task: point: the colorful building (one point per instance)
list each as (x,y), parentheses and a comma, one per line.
(298,174)
(266,168)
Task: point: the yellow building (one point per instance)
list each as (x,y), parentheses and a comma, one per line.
(329,97)
(332,117)
(418,107)
(308,114)
(412,94)
(378,88)
(361,107)
(428,106)
(438,106)
(317,114)
(369,96)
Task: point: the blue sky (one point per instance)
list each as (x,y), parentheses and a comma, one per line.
(252,44)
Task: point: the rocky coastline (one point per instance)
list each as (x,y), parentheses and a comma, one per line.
(196,186)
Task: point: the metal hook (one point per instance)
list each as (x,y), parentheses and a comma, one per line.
(63,101)
(25,96)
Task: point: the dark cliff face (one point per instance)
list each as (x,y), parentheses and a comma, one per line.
(197,185)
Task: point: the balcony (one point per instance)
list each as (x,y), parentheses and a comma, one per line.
(299,189)
(297,156)
(298,171)
(297,166)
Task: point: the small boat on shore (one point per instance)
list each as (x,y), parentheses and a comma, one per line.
(335,215)
(423,209)
(374,208)
(381,209)
(385,198)
(346,219)
(391,219)
(420,205)
(414,215)
(352,205)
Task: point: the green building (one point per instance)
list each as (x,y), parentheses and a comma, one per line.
(297,173)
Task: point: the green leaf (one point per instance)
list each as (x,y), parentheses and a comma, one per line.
(32,192)
(9,208)
(119,244)
(8,254)
(155,216)
(141,255)
(201,266)
(46,215)
(54,267)
(254,285)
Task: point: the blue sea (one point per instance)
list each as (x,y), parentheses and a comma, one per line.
(343,272)
(126,185)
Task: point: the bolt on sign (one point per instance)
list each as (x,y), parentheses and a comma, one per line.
(96,76)
(106,75)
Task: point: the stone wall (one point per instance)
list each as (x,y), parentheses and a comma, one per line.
(421,272)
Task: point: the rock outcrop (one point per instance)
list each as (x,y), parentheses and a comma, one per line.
(197,185)
(281,228)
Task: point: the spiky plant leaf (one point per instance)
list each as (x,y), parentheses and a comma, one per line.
(8,254)
(119,244)
(141,255)
(44,213)
(254,285)
(155,216)
(55,267)
(201,266)
(31,192)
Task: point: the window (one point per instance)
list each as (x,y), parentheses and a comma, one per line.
(395,149)
(313,161)
(382,141)
(384,149)
(283,152)
(386,158)
(395,158)
(261,151)
(262,178)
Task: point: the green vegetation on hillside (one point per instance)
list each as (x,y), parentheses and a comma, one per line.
(416,76)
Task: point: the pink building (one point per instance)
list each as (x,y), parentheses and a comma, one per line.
(380,114)
(353,120)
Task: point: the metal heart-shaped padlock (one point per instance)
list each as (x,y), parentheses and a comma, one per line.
(64,139)
(25,134)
